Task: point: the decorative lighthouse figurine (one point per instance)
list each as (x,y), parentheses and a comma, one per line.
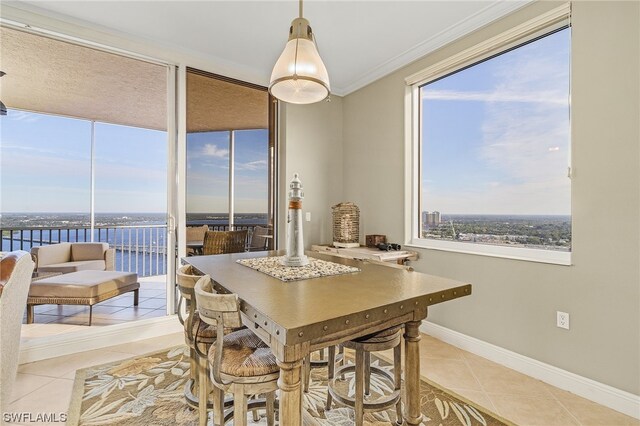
(295,243)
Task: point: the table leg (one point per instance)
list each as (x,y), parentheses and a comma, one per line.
(290,385)
(412,414)
(203,391)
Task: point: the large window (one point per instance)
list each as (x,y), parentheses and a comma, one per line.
(48,195)
(209,173)
(493,153)
(45,168)
(130,171)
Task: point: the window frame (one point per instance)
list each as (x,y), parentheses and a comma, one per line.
(547,23)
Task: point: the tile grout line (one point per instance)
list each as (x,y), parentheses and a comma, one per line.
(29,393)
(553,397)
(484,391)
(566,409)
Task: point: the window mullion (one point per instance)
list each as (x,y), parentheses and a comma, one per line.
(92,189)
(231,178)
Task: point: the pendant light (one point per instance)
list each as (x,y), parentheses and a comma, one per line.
(3,108)
(299,76)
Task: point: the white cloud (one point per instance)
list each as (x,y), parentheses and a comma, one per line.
(24,116)
(252,165)
(525,134)
(211,150)
(499,95)
(531,198)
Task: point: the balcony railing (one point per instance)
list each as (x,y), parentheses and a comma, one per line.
(139,248)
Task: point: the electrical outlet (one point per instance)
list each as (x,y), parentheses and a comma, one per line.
(562,320)
(308,216)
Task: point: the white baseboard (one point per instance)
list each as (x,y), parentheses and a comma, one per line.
(97,338)
(600,393)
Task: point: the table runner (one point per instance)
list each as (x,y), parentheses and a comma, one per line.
(316,268)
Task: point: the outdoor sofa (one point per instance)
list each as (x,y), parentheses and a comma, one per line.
(65,258)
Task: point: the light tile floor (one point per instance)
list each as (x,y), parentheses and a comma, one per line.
(52,320)
(45,386)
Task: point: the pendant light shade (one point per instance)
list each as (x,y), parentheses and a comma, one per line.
(299,76)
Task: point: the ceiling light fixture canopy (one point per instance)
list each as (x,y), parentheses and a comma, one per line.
(299,76)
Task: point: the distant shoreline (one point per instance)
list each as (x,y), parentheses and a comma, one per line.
(51,220)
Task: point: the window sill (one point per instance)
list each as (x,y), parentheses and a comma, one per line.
(515,253)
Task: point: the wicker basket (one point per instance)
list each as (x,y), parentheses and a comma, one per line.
(346,225)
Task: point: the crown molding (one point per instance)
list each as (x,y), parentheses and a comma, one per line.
(494,11)
(36,17)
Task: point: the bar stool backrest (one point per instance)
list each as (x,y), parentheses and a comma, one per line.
(217,308)
(187,277)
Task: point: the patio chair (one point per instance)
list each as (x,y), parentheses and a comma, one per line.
(15,278)
(195,233)
(259,242)
(219,242)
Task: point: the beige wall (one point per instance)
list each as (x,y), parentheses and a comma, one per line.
(514,302)
(311,145)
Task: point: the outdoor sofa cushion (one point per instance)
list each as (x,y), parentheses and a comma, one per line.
(68,267)
(88,251)
(52,254)
(82,284)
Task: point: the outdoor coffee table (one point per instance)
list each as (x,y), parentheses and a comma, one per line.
(80,288)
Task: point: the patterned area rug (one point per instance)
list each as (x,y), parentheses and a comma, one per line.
(148,390)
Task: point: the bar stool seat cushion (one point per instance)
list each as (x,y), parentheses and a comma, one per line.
(245,355)
(381,336)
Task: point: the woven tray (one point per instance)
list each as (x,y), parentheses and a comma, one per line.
(315,269)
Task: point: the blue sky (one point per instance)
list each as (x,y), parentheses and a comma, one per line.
(496,136)
(208,171)
(45,166)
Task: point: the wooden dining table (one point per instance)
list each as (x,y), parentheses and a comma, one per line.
(298,317)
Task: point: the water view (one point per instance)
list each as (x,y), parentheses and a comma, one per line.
(139,238)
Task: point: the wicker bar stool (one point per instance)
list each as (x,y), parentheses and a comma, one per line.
(320,362)
(240,362)
(198,334)
(219,242)
(363,346)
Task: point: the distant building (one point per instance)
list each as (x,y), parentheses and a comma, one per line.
(431,219)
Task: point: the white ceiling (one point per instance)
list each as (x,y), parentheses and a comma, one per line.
(360,41)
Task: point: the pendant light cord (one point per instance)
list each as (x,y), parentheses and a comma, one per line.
(295,60)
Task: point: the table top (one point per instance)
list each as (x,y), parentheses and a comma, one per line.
(322,305)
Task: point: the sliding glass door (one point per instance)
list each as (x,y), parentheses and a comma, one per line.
(230,154)
(87,160)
